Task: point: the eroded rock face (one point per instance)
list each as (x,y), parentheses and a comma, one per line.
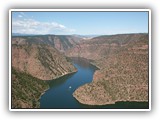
(60,42)
(40,61)
(123,74)
(103,46)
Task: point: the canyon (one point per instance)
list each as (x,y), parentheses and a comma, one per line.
(38,58)
(122,61)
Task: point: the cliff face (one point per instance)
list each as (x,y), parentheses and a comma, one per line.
(41,61)
(60,42)
(123,74)
(103,46)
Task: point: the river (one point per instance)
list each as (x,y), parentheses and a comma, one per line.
(59,96)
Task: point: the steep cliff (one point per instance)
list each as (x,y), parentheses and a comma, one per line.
(123,74)
(41,61)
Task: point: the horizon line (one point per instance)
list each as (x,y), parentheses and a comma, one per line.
(80,34)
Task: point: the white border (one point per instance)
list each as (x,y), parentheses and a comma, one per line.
(65,10)
(150,58)
(10,59)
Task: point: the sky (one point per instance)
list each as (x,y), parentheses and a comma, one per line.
(81,23)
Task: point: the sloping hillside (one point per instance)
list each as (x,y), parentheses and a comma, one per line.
(41,61)
(60,42)
(26,90)
(123,74)
(102,46)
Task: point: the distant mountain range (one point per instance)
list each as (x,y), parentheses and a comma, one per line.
(86,36)
(77,35)
(21,34)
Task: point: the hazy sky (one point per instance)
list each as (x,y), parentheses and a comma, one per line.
(83,23)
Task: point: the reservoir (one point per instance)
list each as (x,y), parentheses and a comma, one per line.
(59,95)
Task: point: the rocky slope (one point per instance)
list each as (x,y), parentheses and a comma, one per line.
(41,61)
(60,42)
(103,46)
(123,74)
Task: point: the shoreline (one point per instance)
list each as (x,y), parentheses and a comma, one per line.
(53,80)
(57,78)
(62,75)
(113,102)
